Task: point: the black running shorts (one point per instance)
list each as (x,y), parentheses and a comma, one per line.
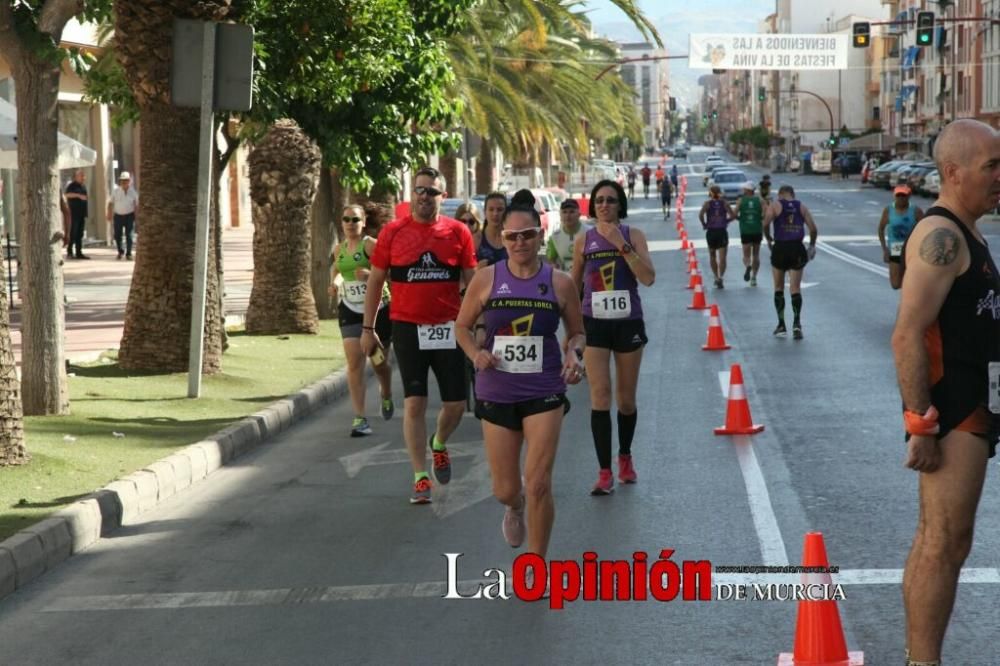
(351,321)
(619,335)
(789,255)
(510,414)
(716,238)
(751,239)
(448,365)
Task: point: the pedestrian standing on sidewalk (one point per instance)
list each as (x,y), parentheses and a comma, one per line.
(947,350)
(521,373)
(76,197)
(121,210)
(352,262)
(609,262)
(428,256)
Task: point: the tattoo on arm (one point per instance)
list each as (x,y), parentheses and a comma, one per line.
(940,247)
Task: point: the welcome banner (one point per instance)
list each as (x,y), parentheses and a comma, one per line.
(768,51)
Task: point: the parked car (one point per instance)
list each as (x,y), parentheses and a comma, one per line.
(884,176)
(932,183)
(680,153)
(915,175)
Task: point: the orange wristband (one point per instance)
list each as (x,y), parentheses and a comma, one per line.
(921,424)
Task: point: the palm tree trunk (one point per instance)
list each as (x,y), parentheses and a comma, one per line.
(283,173)
(12,449)
(448,166)
(484,167)
(323,221)
(158,313)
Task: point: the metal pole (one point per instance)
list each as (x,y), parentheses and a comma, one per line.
(467,173)
(204,204)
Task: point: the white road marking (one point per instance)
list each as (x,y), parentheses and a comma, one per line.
(380,455)
(427,590)
(772,545)
(851,259)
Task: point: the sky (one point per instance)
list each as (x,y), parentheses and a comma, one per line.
(675,20)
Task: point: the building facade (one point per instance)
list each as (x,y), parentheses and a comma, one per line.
(650,82)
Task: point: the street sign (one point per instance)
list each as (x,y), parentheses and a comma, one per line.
(233,65)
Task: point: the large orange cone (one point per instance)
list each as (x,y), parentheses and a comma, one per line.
(738,421)
(716,338)
(684,241)
(695,279)
(680,225)
(698,298)
(819,636)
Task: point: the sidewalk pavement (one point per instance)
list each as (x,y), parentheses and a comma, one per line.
(97,290)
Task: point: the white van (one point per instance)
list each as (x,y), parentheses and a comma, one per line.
(822,161)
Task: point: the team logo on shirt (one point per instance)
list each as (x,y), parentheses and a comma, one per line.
(503,289)
(426,269)
(543,288)
(519,326)
(990,302)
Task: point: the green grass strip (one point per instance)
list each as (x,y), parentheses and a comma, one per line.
(155,417)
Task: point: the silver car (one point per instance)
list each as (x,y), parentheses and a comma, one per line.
(730,181)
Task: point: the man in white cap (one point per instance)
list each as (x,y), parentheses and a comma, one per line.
(124,200)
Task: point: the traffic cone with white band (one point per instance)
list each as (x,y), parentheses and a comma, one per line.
(716,338)
(698,298)
(819,636)
(738,420)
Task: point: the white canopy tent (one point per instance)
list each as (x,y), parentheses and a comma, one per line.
(72,153)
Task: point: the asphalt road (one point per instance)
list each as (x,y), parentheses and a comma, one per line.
(307,551)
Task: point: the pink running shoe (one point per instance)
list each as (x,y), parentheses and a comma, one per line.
(626,472)
(605,483)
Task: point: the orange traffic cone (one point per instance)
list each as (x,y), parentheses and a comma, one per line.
(819,636)
(684,241)
(680,225)
(738,421)
(698,298)
(716,338)
(695,279)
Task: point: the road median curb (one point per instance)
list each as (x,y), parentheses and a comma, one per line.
(34,550)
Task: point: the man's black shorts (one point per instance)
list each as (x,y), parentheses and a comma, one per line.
(448,365)
(751,239)
(716,238)
(620,335)
(510,414)
(789,255)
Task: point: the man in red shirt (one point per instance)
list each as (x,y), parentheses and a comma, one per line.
(427,257)
(645,173)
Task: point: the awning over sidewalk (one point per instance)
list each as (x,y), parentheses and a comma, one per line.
(72,153)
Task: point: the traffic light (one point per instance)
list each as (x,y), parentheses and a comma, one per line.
(862,35)
(715,114)
(761,93)
(673,104)
(704,116)
(832,141)
(925,28)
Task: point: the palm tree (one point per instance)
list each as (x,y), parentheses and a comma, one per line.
(12,451)
(158,313)
(526,72)
(284,170)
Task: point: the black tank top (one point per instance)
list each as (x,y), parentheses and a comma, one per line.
(966,336)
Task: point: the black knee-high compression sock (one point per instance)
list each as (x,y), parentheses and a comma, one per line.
(600,425)
(626,431)
(796,306)
(779,304)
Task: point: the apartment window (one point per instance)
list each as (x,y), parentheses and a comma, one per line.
(876,113)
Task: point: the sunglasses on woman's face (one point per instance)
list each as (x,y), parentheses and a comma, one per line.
(514,235)
(348,218)
(605,200)
(469,220)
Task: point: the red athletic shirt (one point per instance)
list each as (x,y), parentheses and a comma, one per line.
(424,263)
